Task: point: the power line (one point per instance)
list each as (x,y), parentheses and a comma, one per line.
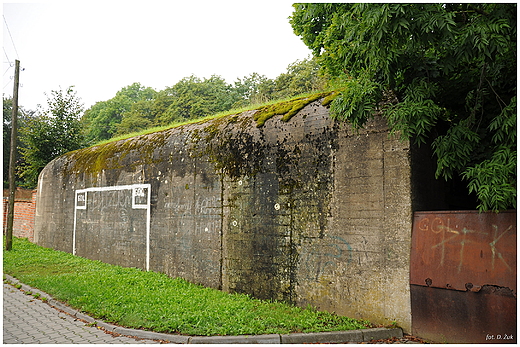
(9,68)
(8,83)
(8,60)
(14,46)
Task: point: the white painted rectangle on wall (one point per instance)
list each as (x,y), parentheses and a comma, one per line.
(141,194)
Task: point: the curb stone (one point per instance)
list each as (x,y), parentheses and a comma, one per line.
(325,337)
(362,335)
(380,334)
(151,335)
(241,339)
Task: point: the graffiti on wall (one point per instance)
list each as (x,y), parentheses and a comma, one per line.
(454,250)
(100,205)
(198,215)
(323,256)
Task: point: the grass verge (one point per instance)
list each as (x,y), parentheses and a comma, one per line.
(152,301)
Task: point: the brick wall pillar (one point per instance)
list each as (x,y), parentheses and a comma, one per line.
(24,212)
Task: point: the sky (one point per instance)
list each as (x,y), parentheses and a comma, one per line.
(99,47)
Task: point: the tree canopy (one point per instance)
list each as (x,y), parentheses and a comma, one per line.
(22,118)
(136,107)
(54,131)
(443,74)
(102,118)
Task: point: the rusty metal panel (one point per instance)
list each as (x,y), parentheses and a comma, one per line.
(464,250)
(463,277)
(452,316)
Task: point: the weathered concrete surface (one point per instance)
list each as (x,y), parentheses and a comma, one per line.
(304,211)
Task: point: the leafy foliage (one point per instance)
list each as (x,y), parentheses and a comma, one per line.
(494,180)
(252,89)
(22,118)
(302,76)
(193,97)
(136,108)
(356,101)
(451,72)
(53,132)
(103,118)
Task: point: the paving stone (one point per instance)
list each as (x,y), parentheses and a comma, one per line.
(54,335)
(44,340)
(11,339)
(39,335)
(69,334)
(28,320)
(77,339)
(62,340)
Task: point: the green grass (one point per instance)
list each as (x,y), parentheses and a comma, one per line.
(152,301)
(162,128)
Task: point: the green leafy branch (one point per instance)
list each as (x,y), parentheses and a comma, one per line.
(494,181)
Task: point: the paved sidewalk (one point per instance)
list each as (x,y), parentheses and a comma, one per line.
(29,320)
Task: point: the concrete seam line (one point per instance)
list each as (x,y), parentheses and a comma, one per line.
(367,334)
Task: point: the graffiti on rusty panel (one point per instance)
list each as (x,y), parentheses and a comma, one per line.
(454,249)
(460,237)
(493,246)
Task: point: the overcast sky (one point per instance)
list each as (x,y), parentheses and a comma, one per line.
(102,46)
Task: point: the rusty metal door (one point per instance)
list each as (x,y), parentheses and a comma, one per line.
(463,276)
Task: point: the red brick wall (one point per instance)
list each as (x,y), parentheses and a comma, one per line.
(24,211)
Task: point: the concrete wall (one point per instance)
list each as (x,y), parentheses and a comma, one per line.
(24,210)
(304,211)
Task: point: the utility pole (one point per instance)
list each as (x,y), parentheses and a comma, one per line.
(12,160)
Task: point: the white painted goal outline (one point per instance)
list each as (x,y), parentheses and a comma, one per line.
(139,192)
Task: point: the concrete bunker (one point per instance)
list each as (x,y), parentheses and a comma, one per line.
(301,209)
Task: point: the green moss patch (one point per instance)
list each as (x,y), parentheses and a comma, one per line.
(110,155)
(287,109)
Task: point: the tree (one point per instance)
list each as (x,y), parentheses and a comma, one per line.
(23,115)
(442,73)
(103,118)
(53,132)
(252,89)
(139,117)
(302,76)
(193,97)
